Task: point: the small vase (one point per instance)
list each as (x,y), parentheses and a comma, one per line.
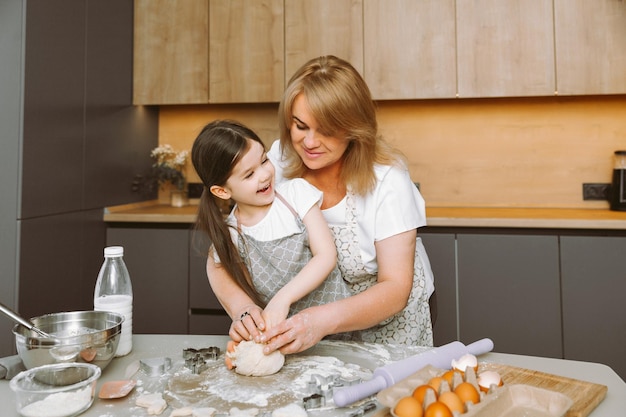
(178,198)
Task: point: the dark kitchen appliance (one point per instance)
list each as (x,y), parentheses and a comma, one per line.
(618,187)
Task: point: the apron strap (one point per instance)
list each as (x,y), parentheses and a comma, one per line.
(281,198)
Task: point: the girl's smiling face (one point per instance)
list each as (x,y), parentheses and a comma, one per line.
(252,180)
(316,148)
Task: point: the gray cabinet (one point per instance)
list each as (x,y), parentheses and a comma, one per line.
(157,261)
(509,291)
(594,312)
(206,315)
(555,293)
(54,78)
(167,266)
(82,144)
(441,250)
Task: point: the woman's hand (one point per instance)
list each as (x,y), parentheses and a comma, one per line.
(248,325)
(297,333)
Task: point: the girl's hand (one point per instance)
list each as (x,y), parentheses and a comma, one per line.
(297,333)
(275,312)
(248,325)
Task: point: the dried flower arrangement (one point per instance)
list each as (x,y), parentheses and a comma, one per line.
(169,166)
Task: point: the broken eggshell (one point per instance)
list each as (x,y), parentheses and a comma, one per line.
(488,378)
(466,361)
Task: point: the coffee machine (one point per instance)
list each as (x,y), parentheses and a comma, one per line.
(618,186)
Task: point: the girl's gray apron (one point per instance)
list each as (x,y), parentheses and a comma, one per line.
(411,326)
(274,263)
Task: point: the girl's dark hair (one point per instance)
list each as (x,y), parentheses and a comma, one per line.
(216,150)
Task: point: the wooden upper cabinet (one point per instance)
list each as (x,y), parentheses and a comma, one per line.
(323,27)
(505,48)
(590,46)
(246,49)
(171,53)
(409,48)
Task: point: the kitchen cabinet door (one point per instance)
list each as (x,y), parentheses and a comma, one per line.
(409,49)
(593,272)
(158,263)
(509,291)
(207,316)
(441,251)
(323,27)
(505,48)
(246,51)
(171,52)
(54,93)
(118,136)
(60,257)
(590,46)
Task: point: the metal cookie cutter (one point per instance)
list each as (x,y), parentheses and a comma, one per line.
(325,385)
(363,409)
(195,359)
(212,352)
(314,401)
(155,366)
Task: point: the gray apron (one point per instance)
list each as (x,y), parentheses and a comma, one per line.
(274,263)
(411,326)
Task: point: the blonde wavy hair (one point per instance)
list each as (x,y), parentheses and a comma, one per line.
(341,103)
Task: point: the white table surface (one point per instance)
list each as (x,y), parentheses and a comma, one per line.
(153,346)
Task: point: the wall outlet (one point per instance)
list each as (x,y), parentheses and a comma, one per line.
(596,191)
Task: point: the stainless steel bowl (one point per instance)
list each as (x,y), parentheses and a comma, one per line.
(79,336)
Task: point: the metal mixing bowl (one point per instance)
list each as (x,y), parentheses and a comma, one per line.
(79,336)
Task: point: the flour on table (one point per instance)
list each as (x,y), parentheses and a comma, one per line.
(249,412)
(291,410)
(59,404)
(250,360)
(203,412)
(222,389)
(182,412)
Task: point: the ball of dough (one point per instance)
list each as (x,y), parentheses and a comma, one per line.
(249,359)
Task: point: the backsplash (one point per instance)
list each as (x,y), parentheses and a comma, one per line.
(526,152)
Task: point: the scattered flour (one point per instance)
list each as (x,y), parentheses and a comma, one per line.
(292,410)
(59,404)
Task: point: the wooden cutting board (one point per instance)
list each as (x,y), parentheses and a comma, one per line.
(585,395)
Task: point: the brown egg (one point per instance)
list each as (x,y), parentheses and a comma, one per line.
(437,409)
(449,375)
(408,406)
(467,392)
(435,382)
(420,392)
(453,401)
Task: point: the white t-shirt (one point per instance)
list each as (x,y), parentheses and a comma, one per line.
(279,221)
(394,206)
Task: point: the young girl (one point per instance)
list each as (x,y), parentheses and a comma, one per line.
(275,244)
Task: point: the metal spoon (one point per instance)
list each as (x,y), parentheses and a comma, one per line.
(18,319)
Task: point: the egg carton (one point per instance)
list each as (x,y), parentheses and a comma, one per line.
(515,400)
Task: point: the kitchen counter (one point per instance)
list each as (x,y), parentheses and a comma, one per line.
(153,212)
(157,346)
